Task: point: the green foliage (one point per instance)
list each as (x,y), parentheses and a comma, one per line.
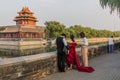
(54,29)
(113,4)
(116,33)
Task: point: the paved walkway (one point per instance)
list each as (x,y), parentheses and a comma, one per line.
(107,67)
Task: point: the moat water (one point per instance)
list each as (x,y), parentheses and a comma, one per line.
(16,51)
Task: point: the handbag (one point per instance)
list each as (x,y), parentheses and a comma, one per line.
(65,50)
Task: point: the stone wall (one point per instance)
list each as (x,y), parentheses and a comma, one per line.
(29,67)
(37,66)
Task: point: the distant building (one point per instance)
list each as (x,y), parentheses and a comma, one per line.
(24,38)
(25,26)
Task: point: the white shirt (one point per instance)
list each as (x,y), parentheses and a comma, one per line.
(110,41)
(64,41)
(84,41)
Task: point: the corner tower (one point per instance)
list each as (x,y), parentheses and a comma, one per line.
(25,17)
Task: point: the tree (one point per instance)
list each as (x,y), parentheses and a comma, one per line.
(113,4)
(54,29)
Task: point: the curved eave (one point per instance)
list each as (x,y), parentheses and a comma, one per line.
(25,12)
(25,19)
(26,16)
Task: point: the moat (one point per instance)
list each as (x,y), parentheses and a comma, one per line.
(24,47)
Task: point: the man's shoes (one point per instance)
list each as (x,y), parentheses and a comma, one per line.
(63,70)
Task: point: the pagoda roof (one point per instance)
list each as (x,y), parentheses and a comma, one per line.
(25,9)
(30,16)
(30,19)
(25,14)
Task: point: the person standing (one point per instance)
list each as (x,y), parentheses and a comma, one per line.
(84,48)
(72,58)
(110,45)
(61,56)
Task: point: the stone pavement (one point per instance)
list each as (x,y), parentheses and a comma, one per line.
(107,67)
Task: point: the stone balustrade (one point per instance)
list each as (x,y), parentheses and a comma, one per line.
(35,67)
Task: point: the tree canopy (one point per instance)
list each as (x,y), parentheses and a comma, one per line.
(54,29)
(113,4)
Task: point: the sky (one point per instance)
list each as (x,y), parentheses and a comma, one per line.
(87,13)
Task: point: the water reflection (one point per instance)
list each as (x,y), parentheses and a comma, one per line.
(14,51)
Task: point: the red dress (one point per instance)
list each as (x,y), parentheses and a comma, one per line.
(73,59)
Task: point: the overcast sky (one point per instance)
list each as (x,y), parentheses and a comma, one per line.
(87,13)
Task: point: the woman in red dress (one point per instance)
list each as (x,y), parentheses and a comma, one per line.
(72,58)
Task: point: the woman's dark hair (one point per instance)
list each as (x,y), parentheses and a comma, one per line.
(72,38)
(111,36)
(82,34)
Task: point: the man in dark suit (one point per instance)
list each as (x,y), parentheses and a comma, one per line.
(61,56)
